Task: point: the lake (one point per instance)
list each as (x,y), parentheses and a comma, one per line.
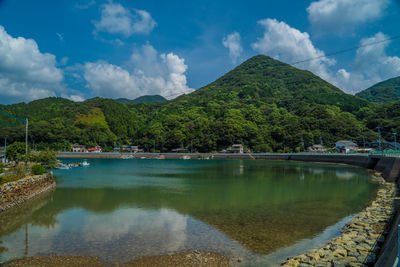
(261,211)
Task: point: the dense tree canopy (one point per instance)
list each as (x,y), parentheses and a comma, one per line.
(383,92)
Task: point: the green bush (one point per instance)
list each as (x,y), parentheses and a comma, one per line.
(37,169)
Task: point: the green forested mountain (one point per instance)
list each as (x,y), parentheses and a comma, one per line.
(143,99)
(264,104)
(383,92)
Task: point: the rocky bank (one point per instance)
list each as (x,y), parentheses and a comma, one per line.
(361,239)
(15,193)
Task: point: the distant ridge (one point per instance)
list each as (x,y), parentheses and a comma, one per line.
(143,99)
(383,92)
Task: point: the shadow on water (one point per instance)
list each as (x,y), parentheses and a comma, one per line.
(124,209)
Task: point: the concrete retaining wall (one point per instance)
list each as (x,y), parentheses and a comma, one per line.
(15,193)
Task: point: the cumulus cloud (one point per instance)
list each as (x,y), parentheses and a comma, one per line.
(146,73)
(343,16)
(233,43)
(288,44)
(371,65)
(116,19)
(26,73)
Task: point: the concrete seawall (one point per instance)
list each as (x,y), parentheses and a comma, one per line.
(15,193)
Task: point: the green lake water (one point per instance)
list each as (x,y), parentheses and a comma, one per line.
(261,211)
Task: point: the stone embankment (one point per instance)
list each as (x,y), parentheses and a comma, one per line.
(15,193)
(360,241)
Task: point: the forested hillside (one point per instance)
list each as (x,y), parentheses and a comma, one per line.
(383,92)
(265,104)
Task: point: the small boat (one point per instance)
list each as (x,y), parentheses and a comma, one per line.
(85,163)
(63,166)
(74,164)
(127,157)
(161,157)
(185,157)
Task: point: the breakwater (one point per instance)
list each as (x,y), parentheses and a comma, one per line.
(15,193)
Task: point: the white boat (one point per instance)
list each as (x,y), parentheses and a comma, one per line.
(63,166)
(185,157)
(85,163)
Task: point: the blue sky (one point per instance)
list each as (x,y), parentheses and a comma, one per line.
(81,49)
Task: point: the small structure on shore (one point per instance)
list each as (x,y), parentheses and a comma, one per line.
(316,148)
(128,148)
(78,148)
(236,148)
(385,145)
(96,149)
(180,150)
(345,146)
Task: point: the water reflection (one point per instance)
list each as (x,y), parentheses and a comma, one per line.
(119,209)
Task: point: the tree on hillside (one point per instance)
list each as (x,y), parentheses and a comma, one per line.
(16,151)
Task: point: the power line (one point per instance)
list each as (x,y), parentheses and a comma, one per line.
(347,50)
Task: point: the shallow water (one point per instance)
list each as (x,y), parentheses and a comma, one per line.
(261,211)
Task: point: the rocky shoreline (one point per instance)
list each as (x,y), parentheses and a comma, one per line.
(361,239)
(15,193)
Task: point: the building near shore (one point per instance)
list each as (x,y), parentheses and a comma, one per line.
(78,148)
(128,148)
(385,145)
(317,148)
(96,149)
(346,146)
(236,148)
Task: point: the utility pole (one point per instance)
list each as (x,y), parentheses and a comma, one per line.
(26,137)
(363,140)
(379,134)
(395,144)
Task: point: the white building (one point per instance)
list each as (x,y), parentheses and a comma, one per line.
(345,146)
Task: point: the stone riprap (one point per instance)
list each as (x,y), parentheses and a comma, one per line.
(361,239)
(15,193)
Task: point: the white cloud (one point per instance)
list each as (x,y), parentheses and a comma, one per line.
(288,44)
(371,65)
(109,80)
(149,73)
(26,73)
(60,36)
(75,98)
(85,5)
(343,16)
(116,19)
(145,23)
(233,43)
